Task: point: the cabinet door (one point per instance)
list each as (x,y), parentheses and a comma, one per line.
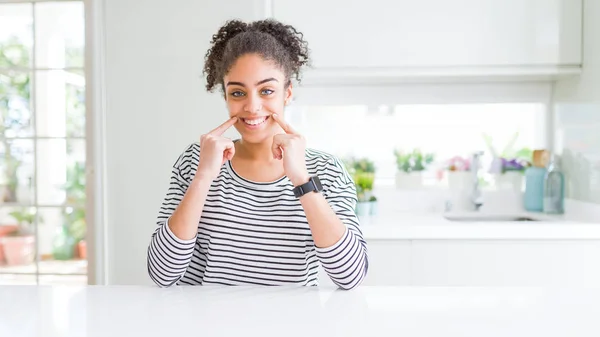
(389,264)
(505,263)
(434,33)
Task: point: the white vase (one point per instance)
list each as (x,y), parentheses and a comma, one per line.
(373,208)
(511,180)
(460,180)
(409,181)
(363,208)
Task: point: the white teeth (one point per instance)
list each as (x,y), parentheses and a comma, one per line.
(254,121)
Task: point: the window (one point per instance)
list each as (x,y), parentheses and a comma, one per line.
(444,130)
(42,143)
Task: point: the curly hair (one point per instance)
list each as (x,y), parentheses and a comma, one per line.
(272,40)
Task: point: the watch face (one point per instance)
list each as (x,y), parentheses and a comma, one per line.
(317,182)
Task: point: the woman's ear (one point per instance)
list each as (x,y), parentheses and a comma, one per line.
(289,94)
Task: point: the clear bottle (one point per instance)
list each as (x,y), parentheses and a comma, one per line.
(554,188)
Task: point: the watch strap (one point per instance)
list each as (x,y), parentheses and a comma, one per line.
(313,185)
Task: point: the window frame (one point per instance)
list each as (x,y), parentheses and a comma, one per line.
(92,69)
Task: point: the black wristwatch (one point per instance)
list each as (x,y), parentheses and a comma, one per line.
(313,185)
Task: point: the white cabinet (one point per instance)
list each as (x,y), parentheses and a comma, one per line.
(388,36)
(484,262)
(505,262)
(389,264)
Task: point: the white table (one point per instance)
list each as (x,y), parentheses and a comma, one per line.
(297,311)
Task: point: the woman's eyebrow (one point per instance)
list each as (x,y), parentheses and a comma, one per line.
(266,80)
(257,83)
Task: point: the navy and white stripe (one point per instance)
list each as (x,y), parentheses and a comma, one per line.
(257,233)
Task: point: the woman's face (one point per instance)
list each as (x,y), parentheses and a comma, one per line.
(254,90)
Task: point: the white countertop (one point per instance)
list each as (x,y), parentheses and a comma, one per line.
(414,226)
(297,311)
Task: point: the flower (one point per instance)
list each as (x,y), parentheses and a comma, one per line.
(512,165)
(458,163)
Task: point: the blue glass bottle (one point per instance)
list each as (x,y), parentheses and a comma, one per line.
(554,188)
(533,197)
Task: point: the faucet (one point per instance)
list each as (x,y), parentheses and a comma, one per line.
(476,195)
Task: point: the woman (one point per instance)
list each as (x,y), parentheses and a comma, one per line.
(261,210)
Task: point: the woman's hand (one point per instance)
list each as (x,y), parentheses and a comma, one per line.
(214,151)
(290,147)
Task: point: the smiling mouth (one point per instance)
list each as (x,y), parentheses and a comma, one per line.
(254,121)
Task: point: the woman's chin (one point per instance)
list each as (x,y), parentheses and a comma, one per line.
(256,138)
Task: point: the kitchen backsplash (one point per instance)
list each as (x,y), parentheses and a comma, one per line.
(577,141)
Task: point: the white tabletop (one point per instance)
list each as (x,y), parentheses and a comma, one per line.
(299,311)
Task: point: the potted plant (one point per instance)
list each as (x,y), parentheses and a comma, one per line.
(458,173)
(77,230)
(74,215)
(410,168)
(362,172)
(19,245)
(373,205)
(508,166)
(364,189)
(511,174)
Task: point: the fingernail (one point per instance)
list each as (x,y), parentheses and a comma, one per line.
(275,115)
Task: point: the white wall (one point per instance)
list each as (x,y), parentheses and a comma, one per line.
(156,105)
(577,115)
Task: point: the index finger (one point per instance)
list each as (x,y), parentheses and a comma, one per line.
(285,126)
(223,127)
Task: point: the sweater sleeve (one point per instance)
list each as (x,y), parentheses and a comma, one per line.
(346,261)
(168,255)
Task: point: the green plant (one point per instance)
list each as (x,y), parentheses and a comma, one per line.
(413,161)
(509,152)
(362,171)
(364,184)
(74,215)
(11,168)
(14,109)
(354,165)
(25,218)
(373,198)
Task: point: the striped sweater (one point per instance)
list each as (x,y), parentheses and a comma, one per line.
(253,233)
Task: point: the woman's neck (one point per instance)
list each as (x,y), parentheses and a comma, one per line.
(255,151)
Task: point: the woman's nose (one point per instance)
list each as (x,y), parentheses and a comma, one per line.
(253,104)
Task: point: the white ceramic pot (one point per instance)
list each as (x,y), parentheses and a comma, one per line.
(373,208)
(363,208)
(409,181)
(511,180)
(460,180)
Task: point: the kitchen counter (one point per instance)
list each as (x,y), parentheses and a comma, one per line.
(408,226)
(297,311)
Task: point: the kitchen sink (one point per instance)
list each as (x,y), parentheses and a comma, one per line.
(488,217)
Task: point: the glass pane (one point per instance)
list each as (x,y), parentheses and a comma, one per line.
(60,103)
(76,280)
(61,245)
(16,171)
(61,171)
(16,35)
(59,34)
(17,240)
(15,110)
(17,279)
(446,131)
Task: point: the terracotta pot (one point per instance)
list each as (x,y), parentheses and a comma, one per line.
(18,250)
(82,250)
(4,230)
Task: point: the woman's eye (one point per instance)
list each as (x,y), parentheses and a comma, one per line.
(237,94)
(266,92)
